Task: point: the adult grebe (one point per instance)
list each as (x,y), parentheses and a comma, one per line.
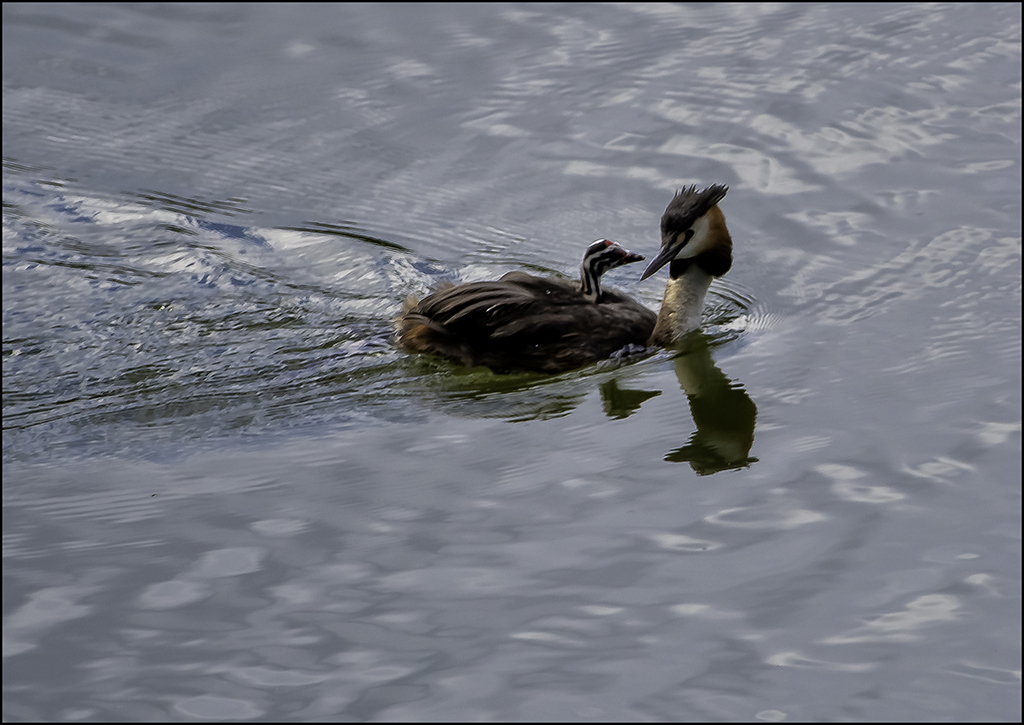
(695,240)
(526,322)
(549,325)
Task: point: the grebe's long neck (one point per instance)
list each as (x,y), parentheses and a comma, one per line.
(683,305)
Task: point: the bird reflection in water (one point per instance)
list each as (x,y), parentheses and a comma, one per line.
(724,414)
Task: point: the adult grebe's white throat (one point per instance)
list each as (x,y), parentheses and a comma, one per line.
(682,307)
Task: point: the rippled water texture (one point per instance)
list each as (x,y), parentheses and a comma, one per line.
(227,496)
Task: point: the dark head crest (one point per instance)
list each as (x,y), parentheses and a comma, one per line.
(689,205)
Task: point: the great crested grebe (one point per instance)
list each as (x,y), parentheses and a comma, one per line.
(695,240)
(526,322)
(550,325)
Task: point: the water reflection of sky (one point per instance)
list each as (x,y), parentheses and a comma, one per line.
(227,496)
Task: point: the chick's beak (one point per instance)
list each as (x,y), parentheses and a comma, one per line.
(630,257)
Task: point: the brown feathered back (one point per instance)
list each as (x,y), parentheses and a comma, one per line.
(523,322)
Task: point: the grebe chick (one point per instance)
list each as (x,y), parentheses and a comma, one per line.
(695,240)
(529,323)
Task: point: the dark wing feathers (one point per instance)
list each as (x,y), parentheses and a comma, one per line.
(482,309)
(525,322)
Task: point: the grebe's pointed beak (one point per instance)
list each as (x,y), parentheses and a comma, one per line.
(667,254)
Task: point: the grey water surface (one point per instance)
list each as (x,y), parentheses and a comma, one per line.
(227,496)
